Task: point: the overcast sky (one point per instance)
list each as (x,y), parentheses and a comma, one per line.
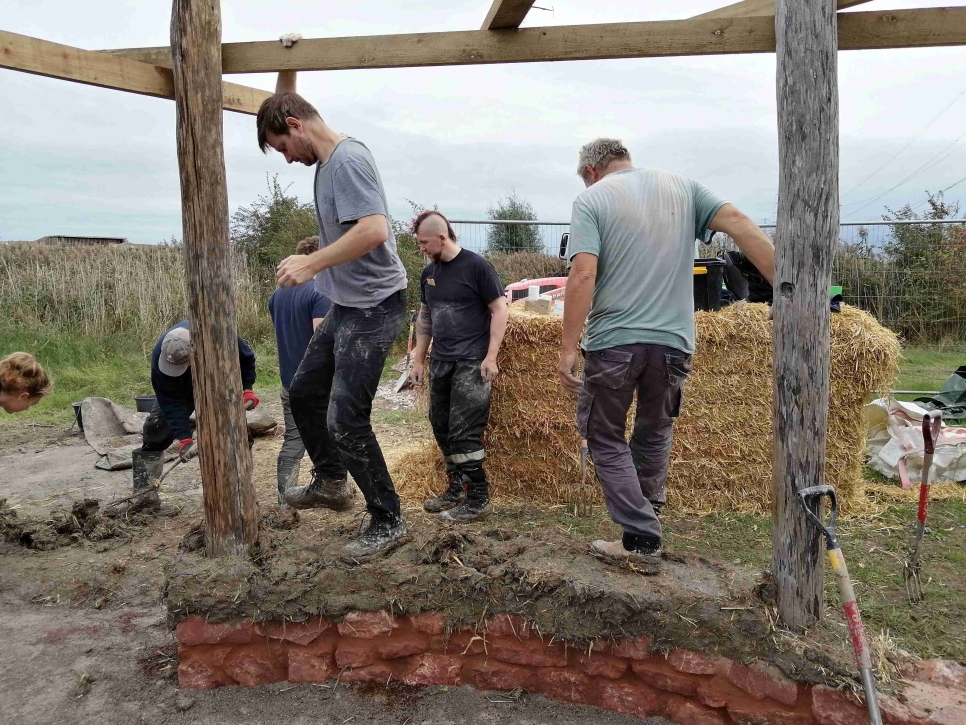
(81,160)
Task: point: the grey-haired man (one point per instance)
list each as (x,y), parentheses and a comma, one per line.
(631,250)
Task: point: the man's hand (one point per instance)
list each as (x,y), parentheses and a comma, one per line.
(417,372)
(185,450)
(295,270)
(251,400)
(567,371)
(289,39)
(489,370)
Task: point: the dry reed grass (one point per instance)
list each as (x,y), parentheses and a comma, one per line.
(722,453)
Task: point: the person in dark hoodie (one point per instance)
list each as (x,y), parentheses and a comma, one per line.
(169,420)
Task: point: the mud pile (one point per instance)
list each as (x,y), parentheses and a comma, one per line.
(83,521)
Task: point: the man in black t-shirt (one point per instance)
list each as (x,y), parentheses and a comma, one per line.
(464,313)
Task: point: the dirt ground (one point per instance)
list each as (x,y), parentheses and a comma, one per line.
(85,634)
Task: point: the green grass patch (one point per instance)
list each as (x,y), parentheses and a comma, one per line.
(925,368)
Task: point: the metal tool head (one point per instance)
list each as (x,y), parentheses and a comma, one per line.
(932,426)
(808,496)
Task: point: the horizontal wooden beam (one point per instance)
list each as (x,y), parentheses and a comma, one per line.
(703,36)
(506,14)
(41,57)
(748,8)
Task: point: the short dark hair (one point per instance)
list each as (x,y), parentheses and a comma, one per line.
(308,245)
(424,215)
(275,109)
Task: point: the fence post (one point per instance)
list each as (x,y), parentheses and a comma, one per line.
(231,515)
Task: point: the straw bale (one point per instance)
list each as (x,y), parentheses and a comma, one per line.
(722,452)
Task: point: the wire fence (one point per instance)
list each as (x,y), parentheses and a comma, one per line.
(910,274)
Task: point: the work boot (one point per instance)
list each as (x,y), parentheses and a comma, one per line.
(641,550)
(454,495)
(477,504)
(382,536)
(331,493)
(146,469)
(288,477)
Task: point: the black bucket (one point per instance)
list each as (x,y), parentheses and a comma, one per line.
(144,403)
(77,415)
(708,276)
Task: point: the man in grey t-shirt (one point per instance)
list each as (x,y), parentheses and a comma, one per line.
(356,267)
(631,251)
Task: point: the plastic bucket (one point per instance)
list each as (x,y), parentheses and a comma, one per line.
(144,403)
(708,277)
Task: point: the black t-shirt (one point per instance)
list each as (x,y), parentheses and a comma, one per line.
(458,293)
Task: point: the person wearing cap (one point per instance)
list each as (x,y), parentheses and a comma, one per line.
(169,420)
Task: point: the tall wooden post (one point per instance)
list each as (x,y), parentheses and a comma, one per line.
(231,523)
(808,216)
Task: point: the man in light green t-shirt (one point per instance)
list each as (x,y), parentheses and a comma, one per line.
(631,250)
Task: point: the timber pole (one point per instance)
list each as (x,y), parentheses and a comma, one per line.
(808,213)
(231,520)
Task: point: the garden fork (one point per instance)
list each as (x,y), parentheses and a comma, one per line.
(932,423)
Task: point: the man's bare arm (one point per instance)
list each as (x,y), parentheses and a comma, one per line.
(366,234)
(499,314)
(749,237)
(578,298)
(424,332)
(286,81)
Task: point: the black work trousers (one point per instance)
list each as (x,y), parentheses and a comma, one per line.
(331,397)
(459,407)
(156,434)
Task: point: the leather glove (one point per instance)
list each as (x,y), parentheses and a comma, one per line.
(185,449)
(251,400)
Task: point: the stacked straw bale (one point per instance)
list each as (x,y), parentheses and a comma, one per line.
(722,452)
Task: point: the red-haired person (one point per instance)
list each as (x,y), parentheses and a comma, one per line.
(23,382)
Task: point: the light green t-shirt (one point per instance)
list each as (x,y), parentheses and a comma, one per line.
(641,225)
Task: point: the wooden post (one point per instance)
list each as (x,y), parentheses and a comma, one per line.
(231,518)
(808,218)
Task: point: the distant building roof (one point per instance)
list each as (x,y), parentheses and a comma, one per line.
(64,239)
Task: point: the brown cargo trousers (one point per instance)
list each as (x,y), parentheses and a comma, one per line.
(633,477)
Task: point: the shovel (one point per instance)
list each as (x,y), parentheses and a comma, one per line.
(404,377)
(847,594)
(932,423)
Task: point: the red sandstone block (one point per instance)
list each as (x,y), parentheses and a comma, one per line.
(213,655)
(565,685)
(900,713)
(533,653)
(468,643)
(751,712)
(635,649)
(761,680)
(305,667)
(694,663)
(719,692)
(195,630)
(298,632)
(598,665)
(630,698)
(381,672)
(432,669)
(322,645)
(355,653)
(196,675)
(428,623)
(493,675)
(831,707)
(402,645)
(686,712)
(366,625)
(947,716)
(255,664)
(654,674)
(509,625)
(944,673)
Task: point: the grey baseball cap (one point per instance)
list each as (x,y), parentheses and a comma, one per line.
(175,352)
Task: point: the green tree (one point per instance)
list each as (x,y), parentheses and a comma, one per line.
(268,230)
(516,237)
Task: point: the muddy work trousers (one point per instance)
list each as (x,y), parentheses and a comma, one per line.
(156,435)
(459,407)
(331,397)
(633,477)
(292,450)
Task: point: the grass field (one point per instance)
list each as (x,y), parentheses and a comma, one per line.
(927,368)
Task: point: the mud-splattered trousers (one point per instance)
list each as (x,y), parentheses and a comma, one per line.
(156,434)
(459,407)
(292,450)
(331,397)
(633,477)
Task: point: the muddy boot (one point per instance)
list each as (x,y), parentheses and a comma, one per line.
(335,494)
(382,536)
(454,495)
(477,504)
(642,551)
(288,477)
(147,466)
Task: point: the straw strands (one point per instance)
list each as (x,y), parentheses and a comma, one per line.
(722,452)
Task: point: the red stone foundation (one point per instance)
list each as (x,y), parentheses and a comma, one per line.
(625,676)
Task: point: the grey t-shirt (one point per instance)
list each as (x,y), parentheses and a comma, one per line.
(641,225)
(347,188)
